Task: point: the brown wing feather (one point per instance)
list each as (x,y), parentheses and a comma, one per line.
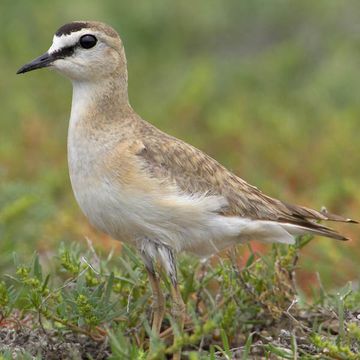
(194,172)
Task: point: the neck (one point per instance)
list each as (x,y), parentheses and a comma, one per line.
(101,101)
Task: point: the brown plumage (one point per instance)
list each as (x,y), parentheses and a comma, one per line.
(193,171)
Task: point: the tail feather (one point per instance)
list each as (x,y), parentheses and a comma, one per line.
(313,228)
(334,217)
(304,220)
(303,212)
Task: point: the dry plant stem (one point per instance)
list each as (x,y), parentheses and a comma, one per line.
(169,331)
(166,334)
(97,337)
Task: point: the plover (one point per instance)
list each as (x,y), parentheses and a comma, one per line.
(148,188)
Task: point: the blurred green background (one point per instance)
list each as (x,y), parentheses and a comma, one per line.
(269,88)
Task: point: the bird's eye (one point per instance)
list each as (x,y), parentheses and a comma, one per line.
(88,41)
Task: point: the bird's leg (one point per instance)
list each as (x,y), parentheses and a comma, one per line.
(178,309)
(178,312)
(147,248)
(166,258)
(158,304)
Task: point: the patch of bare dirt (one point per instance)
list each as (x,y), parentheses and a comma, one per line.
(51,344)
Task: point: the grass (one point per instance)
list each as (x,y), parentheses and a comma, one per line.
(85,303)
(267,88)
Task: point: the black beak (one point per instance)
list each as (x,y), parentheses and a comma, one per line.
(38,63)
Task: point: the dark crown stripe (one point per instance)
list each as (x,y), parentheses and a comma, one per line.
(69,28)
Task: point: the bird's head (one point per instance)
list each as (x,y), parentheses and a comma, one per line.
(83,51)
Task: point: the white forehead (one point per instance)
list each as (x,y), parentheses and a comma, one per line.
(67,40)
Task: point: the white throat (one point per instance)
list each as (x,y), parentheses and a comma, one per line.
(84,97)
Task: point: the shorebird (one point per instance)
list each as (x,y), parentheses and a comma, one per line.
(150,189)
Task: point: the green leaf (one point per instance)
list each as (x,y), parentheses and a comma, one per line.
(247,347)
(37,268)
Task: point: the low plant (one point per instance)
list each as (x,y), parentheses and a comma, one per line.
(236,308)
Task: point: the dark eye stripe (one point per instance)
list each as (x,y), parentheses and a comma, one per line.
(64,52)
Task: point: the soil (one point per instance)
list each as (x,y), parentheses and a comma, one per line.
(52,345)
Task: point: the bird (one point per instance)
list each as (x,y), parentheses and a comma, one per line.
(148,188)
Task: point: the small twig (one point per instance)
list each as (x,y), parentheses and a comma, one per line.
(66,284)
(40,322)
(287,312)
(83,258)
(129,300)
(80,330)
(91,247)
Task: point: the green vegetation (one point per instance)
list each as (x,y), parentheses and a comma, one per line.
(233,311)
(270,89)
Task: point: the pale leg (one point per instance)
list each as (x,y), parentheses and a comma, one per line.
(158,304)
(178,311)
